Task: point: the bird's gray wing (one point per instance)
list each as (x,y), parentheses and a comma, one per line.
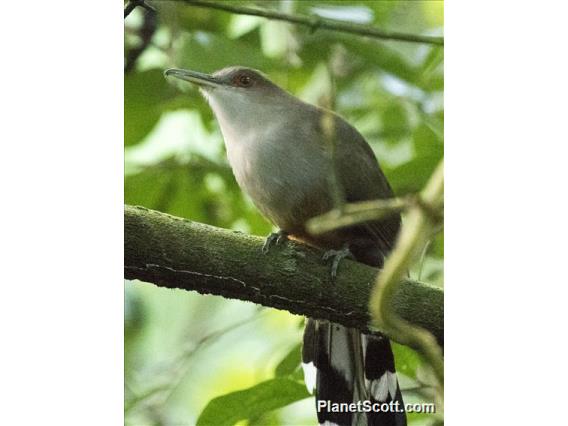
(362,179)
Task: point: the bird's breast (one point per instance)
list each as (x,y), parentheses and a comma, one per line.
(286,180)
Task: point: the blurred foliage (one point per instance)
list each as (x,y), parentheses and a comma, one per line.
(190,357)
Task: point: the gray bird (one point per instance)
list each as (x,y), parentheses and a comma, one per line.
(293,159)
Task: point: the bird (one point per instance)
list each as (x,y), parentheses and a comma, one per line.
(293,158)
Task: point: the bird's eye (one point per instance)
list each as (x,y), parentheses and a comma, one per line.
(243,80)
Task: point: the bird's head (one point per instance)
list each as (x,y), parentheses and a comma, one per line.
(237,94)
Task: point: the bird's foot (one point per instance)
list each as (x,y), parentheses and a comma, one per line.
(275,238)
(337,256)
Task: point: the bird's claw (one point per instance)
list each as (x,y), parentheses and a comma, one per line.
(275,238)
(337,256)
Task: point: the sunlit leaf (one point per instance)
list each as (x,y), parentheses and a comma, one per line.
(275,38)
(406,360)
(242,24)
(228,409)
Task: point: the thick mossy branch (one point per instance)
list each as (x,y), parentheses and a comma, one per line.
(178,253)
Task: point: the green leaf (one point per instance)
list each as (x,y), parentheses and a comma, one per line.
(193,19)
(290,362)
(180,189)
(406,360)
(392,62)
(395,121)
(228,409)
(433,61)
(145,94)
(268,419)
(210,52)
(428,149)
(428,141)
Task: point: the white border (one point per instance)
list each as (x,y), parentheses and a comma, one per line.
(62,195)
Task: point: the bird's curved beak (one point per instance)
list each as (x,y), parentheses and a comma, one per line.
(195,77)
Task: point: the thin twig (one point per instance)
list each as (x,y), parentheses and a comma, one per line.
(180,366)
(353,213)
(423,258)
(315,22)
(412,237)
(184,359)
(130,7)
(146,32)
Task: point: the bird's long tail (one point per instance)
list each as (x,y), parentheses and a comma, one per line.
(345,366)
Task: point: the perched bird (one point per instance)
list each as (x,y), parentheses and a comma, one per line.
(292,159)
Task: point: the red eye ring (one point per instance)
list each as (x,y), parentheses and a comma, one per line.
(243,80)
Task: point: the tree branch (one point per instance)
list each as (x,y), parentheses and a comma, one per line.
(178,253)
(316,22)
(146,32)
(132,4)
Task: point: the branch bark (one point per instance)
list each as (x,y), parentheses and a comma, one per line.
(177,253)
